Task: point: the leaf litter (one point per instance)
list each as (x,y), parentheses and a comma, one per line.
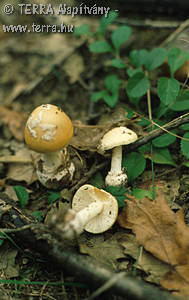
(164,234)
(19,166)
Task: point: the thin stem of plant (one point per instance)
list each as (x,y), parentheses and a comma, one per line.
(151,146)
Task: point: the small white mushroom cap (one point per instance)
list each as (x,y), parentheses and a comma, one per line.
(117,136)
(88,194)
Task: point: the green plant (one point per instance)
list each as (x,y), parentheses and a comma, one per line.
(135,72)
(53,196)
(22,195)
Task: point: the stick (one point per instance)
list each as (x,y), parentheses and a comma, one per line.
(83,268)
(157,132)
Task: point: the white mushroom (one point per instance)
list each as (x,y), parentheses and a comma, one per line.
(115,139)
(47,131)
(93,210)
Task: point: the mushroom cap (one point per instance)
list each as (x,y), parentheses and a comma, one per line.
(48,129)
(88,194)
(117,136)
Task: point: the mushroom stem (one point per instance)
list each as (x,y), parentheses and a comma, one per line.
(52,160)
(116,175)
(54,167)
(81,218)
(116,160)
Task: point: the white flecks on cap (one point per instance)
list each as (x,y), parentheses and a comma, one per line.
(50,131)
(49,136)
(45,127)
(33,123)
(88,194)
(116,137)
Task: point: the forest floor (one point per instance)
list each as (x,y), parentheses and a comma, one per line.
(59,69)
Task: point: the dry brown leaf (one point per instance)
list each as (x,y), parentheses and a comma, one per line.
(164,234)
(87,137)
(8,266)
(15,121)
(22,169)
(170,187)
(153,267)
(105,251)
(74,66)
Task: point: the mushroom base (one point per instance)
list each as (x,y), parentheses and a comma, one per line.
(116,179)
(59,178)
(55,172)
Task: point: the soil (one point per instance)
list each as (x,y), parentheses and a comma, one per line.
(39,68)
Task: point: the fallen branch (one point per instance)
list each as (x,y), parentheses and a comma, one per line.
(157,132)
(43,241)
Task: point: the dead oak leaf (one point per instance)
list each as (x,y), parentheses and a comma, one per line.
(164,234)
(87,137)
(153,267)
(15,121)
(108,252)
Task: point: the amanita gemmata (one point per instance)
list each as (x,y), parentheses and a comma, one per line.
(115,139)
(93,210)
(48,131)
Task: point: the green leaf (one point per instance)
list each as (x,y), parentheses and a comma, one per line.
(119,193)
(137,85)
(83,29)
(111,100)
(106,21)
(140,193)
(132,72)
(117,63)
(22,195)
(186,164)
(162,156)
(100,47)
(139,57)
(155,58)
(145,148)
(135,164)
(38,214)
(168,90)
(119,36)
(160,110)
(98,95)
(97,180)
(164,140)
(176,58)
(185,145)
(1,242)
(180,105)
(135,101)
(112,83)
(53,196)
(130,113)
(185,127)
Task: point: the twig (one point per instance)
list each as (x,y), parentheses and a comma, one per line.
(81,267)
(14,230)
(175,33)
(157,132)
(149,23)
(94,169)
(106,286)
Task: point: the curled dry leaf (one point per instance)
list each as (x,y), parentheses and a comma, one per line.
(15,121)
(164,234)
(87,137)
